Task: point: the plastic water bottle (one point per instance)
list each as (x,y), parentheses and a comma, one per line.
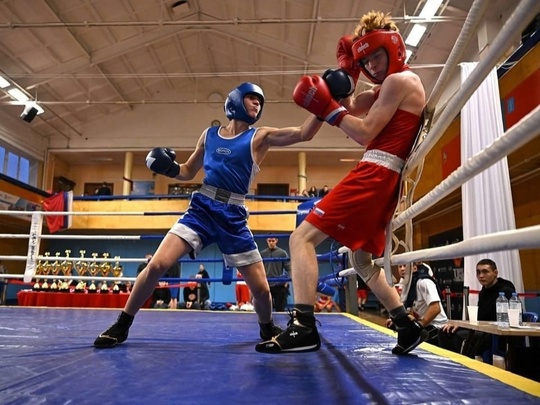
(515,303)
(502,311)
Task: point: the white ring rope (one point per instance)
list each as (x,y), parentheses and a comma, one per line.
(521,133)
(93,213)
(517,22)
(79,237)
(524,238)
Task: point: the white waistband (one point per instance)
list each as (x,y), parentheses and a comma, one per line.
(224,196)
(384,159)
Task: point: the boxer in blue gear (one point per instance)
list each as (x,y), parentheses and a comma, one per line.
(230,156)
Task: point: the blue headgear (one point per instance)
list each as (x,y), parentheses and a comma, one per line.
(234,105)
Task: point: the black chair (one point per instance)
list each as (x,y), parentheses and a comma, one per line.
(529,317)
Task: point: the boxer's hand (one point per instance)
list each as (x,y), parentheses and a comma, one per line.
(162,161)
(345,58)
(313,94)
(341,85)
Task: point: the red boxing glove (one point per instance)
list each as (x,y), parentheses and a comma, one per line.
(345,58)
(313,94)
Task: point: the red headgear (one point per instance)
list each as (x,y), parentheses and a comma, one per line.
(393,44)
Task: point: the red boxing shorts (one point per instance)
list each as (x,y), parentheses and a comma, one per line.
(357,211)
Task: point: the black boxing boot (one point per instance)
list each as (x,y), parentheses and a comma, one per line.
(117,332)
(301,335)
(410,333)
(269,330)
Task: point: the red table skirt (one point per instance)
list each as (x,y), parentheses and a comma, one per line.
(82,300)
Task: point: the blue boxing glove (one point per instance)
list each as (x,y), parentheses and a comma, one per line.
(341,85)
(162,161)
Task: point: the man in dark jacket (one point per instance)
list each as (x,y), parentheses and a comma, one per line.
(277,268)
(488,276)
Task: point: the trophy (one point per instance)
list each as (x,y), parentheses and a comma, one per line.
(93,269)
(117,272)
(105,270)
(81,267)
(39,271)
(67,267)
(55,270)
(46,269)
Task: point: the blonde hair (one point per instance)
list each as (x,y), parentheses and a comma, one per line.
(374,20)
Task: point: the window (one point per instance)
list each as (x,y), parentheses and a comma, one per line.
(21,168)
(2,158)
(12,165)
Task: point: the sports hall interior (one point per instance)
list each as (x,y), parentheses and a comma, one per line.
(118,82)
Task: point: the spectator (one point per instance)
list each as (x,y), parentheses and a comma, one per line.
(323,191)
(400,285)
(161,297)
(203,272)
(492,284)
(424,301)
(203,295)
(312,192)
(361,293)
(190,293)
(147,258)
(275,269)
(173,272)
(104,189)
(305,193)
(196,295)
(243,296)
(325,302)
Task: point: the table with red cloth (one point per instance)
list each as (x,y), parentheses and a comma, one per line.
(73,299)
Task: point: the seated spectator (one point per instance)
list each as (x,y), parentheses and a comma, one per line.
(402,271)
(196,295)
(424,300)
(325,302)
(190,294)
(323,191)
(161,297)
(492,284)
(203,293)
(312,192)
(305,193)
(243,295)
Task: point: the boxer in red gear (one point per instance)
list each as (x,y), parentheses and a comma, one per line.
(357,211)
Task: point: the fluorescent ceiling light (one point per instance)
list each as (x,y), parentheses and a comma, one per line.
(345,160)
(430,9)
(409,54)
(4,83)
(416,34)
(18,95)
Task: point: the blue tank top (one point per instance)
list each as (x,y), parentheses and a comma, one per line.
(228,162)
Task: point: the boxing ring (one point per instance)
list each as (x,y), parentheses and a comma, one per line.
(194,357)
(202,357)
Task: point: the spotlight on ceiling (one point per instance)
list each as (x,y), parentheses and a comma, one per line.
(31,109)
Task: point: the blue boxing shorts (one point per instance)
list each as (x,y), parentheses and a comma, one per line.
(207,221)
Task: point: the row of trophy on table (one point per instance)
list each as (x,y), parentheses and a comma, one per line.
(82,267)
